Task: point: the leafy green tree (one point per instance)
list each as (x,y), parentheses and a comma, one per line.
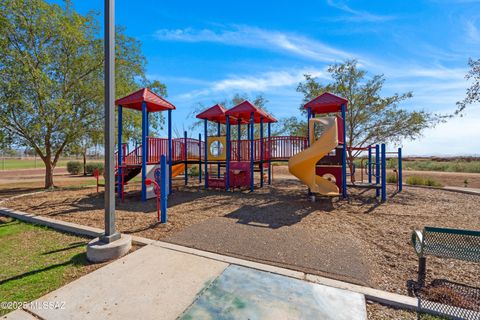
(473,93)
(51,76)
(371,117)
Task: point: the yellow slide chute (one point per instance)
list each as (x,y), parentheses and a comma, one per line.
(303,164)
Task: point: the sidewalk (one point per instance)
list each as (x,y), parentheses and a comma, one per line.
(156,282)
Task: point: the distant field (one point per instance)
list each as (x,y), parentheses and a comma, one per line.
(443,166)
(14,164)
(440,165)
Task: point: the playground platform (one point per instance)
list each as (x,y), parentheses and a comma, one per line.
(164,283)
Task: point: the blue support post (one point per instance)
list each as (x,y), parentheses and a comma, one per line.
(200,158)
(144,150)
(369,164)
(228,154)
(400,170)
(185,152)
(163,189)
(252,154)
(261,152)
(206,152)
(377,169)
(239,136)
(384,173)
(344,153)
(120,152)
(269,133)
(170,151)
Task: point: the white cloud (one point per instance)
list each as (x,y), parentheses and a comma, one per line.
(245,36)
(472,32)
(358,15)
(255,83)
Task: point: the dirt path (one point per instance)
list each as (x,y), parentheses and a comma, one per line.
(15,182)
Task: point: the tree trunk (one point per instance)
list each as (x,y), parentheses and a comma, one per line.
(84,154)
(49,174)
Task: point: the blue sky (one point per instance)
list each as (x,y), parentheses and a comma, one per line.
(205,51)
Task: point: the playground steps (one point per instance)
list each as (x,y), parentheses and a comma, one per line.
(129,173)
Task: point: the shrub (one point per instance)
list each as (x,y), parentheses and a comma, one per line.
(193,171)
(74,167)
(90,167)
(422,181)
(391,178)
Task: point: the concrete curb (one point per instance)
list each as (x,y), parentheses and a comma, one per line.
(21,195)
(451,189)
(380,296)
(60,225)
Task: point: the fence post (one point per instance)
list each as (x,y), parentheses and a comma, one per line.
(400,178)
(384,173)
(377,169)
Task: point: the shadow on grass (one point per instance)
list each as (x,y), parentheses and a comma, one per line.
(8,223)
(79,259)
(70,247)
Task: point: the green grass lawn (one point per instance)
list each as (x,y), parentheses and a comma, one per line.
(13,164)
(35,260)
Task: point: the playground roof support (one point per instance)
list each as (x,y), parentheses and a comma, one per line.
(146,101)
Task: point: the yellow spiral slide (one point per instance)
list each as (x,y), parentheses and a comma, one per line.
(303,164)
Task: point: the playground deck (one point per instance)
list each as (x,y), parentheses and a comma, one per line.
(278,224)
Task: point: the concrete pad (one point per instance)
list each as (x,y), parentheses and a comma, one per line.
(233,260)
(18,315)
(388,298)
(150,283)
(243,293)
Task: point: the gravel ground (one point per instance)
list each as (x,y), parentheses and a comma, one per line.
(377,311)
(381,231)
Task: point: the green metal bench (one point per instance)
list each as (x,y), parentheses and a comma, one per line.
(444,243)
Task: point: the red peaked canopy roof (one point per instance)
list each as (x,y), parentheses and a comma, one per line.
(325,103)
(244,110)
(215,114)
(154,102)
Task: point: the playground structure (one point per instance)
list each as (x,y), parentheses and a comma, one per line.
(230,159)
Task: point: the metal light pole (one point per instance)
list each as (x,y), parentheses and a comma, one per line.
(110,233)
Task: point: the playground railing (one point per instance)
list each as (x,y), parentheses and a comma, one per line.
(274,148)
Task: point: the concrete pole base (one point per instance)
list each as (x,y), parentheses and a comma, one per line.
(98,251)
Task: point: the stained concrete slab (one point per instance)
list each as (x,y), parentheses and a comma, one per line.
(18,315)
(150,283)
(244,293)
